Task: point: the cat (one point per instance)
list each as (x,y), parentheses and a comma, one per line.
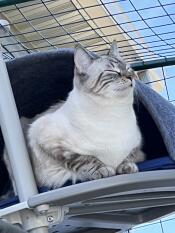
(94,133)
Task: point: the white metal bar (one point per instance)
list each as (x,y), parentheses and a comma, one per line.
(14,139)
(142,182)
(13,209)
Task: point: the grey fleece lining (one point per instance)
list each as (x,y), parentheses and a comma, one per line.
(162,112)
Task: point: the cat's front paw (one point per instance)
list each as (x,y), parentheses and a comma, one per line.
(127,168)
(102,172)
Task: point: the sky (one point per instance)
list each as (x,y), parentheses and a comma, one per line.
(165,225)
(156,24)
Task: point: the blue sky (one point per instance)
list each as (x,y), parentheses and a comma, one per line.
(158,33)
(166,225)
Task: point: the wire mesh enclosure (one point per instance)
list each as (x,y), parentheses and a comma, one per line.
(143,29)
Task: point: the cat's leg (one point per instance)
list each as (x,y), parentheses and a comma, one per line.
(54,165)
(129,165)
(54,173)
(51,174)
(48,144)
(89,167)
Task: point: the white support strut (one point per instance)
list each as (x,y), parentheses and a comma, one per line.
(14,139)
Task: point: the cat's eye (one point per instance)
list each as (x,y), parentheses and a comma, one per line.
(129,77)
(113,72)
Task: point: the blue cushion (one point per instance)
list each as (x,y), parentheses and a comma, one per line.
(157,164)
(8,202)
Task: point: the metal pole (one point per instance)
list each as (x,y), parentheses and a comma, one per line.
(144,65)
(12,2)
(14,139)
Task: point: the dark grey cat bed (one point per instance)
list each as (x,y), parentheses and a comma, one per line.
(42,79)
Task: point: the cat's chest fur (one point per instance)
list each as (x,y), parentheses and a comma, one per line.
(111,143)
(109,133)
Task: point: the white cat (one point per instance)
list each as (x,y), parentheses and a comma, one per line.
(94,133)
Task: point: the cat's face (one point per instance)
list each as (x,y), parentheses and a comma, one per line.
(108,76)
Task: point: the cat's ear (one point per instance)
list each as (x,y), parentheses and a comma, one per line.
(114,51)
(82,59)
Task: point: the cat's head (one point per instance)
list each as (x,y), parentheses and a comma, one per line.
(107,75)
